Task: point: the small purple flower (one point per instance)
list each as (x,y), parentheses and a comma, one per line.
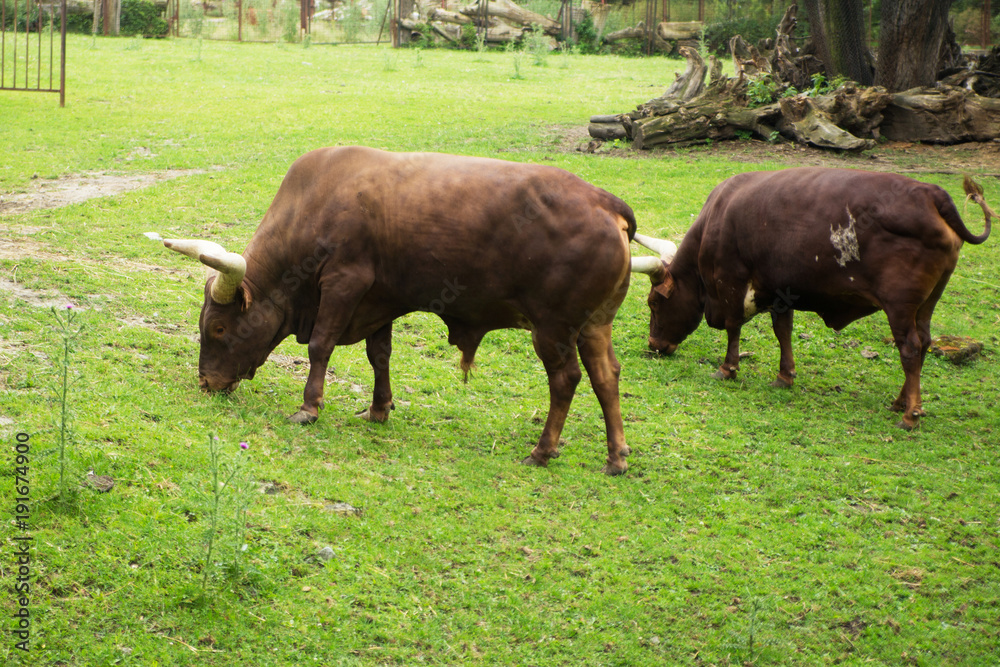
(244,445)
(69,306)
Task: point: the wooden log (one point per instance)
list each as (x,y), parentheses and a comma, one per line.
(498,32)
(438,14)
(607,131)
(802,119)
(859,111)
(700,120)
(450,31)
(747,59)
(672,31)
(941,115)
(688,85)
(513,15)
(637,31)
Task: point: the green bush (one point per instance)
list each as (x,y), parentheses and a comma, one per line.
(586,35)
(143,19)
(139,18)
(19,19)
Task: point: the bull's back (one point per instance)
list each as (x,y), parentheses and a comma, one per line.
(423,221)
(835,229)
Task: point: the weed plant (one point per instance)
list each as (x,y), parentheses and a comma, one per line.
(69,331)
(226,480)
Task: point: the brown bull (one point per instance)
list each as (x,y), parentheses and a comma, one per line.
(837,242)
(356,238)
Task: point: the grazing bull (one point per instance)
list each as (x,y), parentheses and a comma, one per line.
(838,242)
(357,237)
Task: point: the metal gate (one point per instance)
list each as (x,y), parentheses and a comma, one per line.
(28,58)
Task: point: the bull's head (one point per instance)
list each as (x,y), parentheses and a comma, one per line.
(674,312)
(236,335)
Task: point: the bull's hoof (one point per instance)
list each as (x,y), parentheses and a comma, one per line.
(911,420)
(370,414)
(724,374)
(613,470)
(781,383)
(303,417)
(532,461)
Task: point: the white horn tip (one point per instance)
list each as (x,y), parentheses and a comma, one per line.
(153,236)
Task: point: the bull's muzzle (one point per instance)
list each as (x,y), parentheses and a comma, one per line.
(212,384)
(661,346)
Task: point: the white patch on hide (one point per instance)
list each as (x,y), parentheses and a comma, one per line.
(845,241)
(749,306)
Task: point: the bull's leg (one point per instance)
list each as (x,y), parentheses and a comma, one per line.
(782,325)
(603,368)
(912,334)
(558,355)
(912,340)
(337,302)
(378,347)
(727,371)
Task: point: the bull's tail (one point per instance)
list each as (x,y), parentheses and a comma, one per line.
(973,192)
(625,211)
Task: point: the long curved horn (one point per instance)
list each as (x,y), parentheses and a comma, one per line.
(230,265)
(654,267)
(665,249)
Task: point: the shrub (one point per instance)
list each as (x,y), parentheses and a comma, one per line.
(586,35)
(143,19)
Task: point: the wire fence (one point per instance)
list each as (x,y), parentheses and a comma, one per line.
(320,22)
(369,21)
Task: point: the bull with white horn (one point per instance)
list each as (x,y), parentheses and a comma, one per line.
(356,238)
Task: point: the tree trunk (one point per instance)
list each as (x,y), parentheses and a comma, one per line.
(912,32)
(941,115)
(838,35)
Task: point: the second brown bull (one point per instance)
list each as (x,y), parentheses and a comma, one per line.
(837,242)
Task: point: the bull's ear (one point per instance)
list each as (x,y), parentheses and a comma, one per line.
(665,288)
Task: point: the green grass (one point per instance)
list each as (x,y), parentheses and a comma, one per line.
(755,526)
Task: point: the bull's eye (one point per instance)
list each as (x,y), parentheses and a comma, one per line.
(220,331)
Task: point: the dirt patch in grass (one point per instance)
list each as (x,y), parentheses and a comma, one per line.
(34,298)
(76,188)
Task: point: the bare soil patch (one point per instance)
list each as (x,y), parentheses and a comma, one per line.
(34,298)
(76,188)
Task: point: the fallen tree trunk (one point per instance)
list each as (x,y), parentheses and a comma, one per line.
(759,101)
(438,14)
(497,32)
(673,31)
(941,115)
(513,14)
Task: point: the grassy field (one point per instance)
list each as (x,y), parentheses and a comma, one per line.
(755,525)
